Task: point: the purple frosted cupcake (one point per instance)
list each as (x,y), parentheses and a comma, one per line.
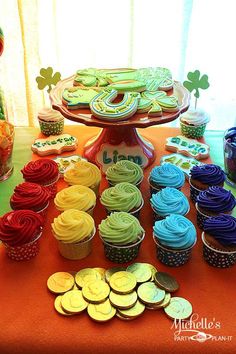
(204,176)
(219,241)
(212,202)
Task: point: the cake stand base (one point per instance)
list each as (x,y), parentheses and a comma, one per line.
(119,143)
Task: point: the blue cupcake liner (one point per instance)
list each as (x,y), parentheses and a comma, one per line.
(217,258)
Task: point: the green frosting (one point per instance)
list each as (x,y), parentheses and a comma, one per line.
(124,171)
(122,197)
(120,229)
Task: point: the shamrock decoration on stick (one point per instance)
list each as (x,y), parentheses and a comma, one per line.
(47,78)
(195,83)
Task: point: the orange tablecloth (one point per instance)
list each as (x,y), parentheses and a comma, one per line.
(29,323)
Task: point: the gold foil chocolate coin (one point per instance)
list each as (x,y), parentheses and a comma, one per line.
(134,311)
(101,271)
(85,276)
(60,282)
(123,282)
(101,312)
(58,307)
(109,272)
(141,271)
(73,301)
(166,281)
(178,308)
(150,294)
(124,301)
(96,291)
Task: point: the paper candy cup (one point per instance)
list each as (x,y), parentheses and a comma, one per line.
(190,131)
(157,217)
(122,254)
(51,128)
(172,257)
(194,192)
(138,185)
(24,252)
(52,186)
(77,250)
(135,212)
(217,258)
(201,217)
(156,189)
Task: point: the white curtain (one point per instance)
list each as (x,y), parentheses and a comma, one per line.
(182,35)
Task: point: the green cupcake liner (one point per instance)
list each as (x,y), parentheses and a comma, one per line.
(195,132)
(51,128)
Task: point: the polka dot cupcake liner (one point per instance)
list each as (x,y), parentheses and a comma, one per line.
(171,257)
(24,252)
(194,192)
(217,258)
(122,254)
(135,213)
(200,217)
(156,189)
(157,217)
(138,185)
(51,128)
(190,131)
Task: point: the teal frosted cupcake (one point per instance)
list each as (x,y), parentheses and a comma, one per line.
(169,201)
(124,171)
(175,237)
(167,175)
(122,197)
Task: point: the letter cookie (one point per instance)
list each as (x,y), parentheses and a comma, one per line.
(102,107)
(187,147)
(183,162)
(54,145)
(77,97)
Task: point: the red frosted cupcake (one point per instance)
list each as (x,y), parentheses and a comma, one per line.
(31,196)
(44,172)
(20,231)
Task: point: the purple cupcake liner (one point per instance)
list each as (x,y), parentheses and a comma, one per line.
(217,258)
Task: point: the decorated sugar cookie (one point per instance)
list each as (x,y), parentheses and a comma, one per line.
(77,97)
(54,145)
(65,163)
(156,102)
(102,105)
(156,78)
(187,147)
(183,162)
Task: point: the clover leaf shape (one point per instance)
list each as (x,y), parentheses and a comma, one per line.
(157,102)
(91,77)
(195,83)
(47,78)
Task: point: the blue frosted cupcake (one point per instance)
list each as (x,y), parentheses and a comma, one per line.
(169,201)
(203,177)
(212,202)
(219,241)
(167,175)
(175,237)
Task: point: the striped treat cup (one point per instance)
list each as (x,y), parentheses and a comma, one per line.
(217,258)
(122,254)
(191,131)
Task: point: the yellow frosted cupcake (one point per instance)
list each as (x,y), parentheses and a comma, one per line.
(76,197)
(74,231)
(84,173)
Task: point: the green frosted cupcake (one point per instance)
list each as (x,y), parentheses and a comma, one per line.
(122,235)
(51,122)
(124,171)
(122,197)
(193,123)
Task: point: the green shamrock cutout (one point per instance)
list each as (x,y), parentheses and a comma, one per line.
(196,83)
(47,78)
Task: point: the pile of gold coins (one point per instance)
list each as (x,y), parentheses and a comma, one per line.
(124,292)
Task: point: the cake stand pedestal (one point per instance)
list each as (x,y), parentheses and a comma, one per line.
(118,140)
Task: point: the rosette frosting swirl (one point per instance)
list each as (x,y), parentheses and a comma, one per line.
(175,231)
(122,197)
(170,201)
(20,227)
(167,175)
(31,196)
(73,226)
(216,199)
(42,171)
(195,117)
(120,228)
(84,173)
(75,197)
(124,171)
(48,114)
(222,228)
(210,174)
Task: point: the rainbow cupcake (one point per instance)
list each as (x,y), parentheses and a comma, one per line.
(124,171)
(122,236)
(174,237)
(193,123)
(166,175)
(169,201)
(219,241)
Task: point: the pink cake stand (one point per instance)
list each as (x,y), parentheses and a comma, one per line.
(118,140)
